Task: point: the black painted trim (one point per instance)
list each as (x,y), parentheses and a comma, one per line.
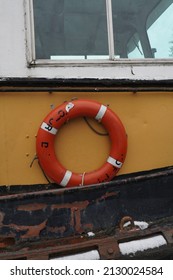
(120,84)
(119,180)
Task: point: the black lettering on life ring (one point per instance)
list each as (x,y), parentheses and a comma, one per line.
(50,121)
(44,144)
(61,114)
(118,163)
(48,127)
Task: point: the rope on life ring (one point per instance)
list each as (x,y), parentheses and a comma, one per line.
(53,122)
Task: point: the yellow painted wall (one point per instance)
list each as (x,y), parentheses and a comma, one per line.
(147,117)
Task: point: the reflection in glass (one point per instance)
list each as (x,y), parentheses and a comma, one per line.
(140,27)
(70,28)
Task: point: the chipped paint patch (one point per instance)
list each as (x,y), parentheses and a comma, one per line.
(31,207)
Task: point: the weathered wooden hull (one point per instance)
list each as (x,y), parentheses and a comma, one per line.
(38,220)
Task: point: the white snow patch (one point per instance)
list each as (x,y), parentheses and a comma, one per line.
(90,234)
(142,225)
(134,246)
(90,255)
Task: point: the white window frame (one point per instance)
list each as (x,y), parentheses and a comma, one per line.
(31,55)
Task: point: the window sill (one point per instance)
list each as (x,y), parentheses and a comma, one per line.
(101,63)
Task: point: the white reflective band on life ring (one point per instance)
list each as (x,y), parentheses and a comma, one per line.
(66,178)
(114,162)
(101,112)
(49,128)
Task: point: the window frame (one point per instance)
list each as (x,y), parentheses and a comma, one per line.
(31,53)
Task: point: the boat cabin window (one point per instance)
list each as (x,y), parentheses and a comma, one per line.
(108,30)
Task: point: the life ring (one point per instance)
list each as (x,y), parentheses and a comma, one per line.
(53,122)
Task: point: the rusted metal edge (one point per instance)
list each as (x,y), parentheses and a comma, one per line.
(107,246)
(119,180)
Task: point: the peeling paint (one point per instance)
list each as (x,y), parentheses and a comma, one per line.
(31,207)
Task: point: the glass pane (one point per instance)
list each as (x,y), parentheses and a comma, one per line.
(143,28)
(70,29)
(161,33)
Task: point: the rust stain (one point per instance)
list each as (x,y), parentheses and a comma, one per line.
(107,195)
(6,241)
(57,229)
(32,231)
(76,215)
(78,205)
(76,208)
(32,207)
(1,217)
(77,220)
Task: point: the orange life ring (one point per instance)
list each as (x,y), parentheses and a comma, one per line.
(49,128)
